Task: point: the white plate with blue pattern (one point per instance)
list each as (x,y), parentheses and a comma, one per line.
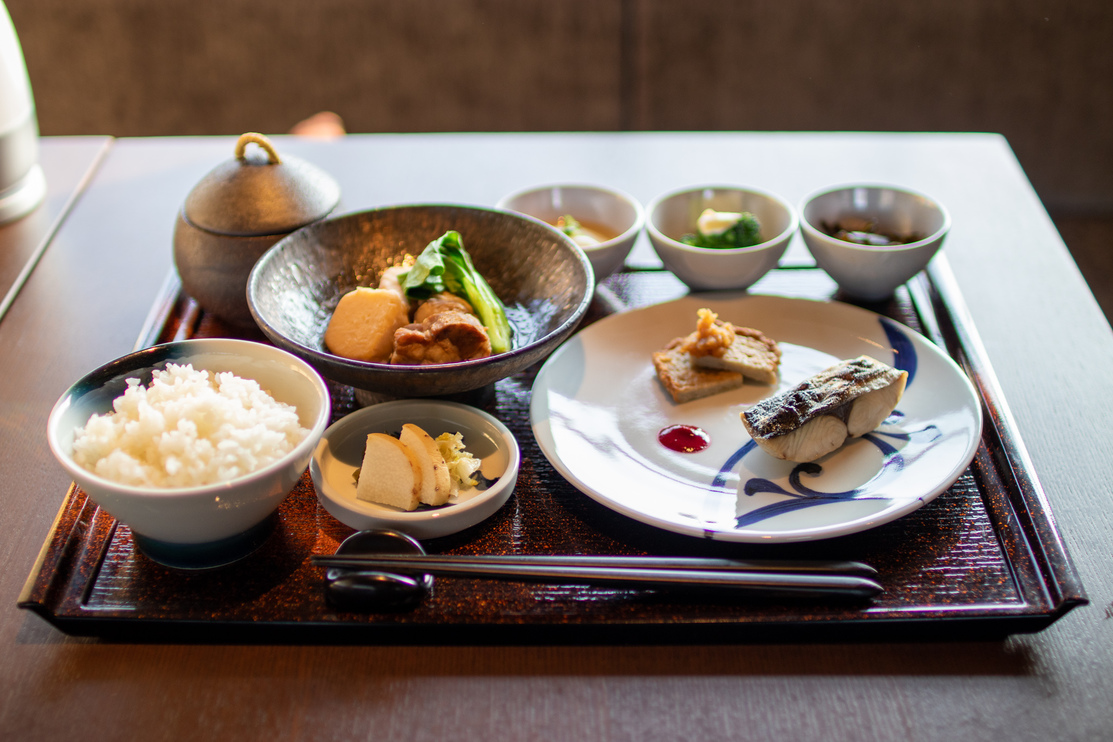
(598,407)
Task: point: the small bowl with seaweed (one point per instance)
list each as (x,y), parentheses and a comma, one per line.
(720,237)
(872,238)
(356,483)
(338,294)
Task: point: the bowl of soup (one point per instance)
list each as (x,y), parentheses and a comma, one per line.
(604,222)
(871,239)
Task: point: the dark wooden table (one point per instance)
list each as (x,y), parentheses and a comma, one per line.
(107,252)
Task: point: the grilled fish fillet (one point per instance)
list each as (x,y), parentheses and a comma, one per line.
(816,416)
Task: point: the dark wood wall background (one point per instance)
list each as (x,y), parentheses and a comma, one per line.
(1038,71)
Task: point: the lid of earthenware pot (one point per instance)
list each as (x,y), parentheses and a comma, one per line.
(257,192)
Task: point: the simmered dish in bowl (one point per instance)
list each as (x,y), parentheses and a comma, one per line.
(872,238)
(542,278)
(429,310)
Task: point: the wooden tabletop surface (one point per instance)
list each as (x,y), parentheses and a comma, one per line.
(105,245)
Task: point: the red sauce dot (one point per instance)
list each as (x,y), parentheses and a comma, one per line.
(684,438)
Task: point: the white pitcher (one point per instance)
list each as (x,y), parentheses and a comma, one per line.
(22,185)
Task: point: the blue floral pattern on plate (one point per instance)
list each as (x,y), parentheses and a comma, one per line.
(597,407)
(893,459)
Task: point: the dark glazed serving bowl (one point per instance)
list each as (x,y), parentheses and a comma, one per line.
(542,277)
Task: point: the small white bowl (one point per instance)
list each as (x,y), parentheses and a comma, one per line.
(862,271)
(608,209)
(206,526)
(340,454)
(673,215)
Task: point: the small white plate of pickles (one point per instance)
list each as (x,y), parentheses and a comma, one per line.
(335,467)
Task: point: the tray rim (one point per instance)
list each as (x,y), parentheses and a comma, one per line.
(1051,590)
(960,338)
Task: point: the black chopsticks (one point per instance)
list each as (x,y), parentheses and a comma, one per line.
(788,578)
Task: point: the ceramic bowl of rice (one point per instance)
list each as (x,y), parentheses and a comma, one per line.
(192,445)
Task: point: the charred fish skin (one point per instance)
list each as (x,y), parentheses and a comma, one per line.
(817,415)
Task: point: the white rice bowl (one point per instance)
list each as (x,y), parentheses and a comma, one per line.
(188,428)
(232,428)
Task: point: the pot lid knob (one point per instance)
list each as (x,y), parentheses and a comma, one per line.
(258,192)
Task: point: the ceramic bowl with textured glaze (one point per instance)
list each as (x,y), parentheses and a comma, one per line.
(674,215)
(208,525)
(234,215)
(541,276)
(614,214)
(873,272)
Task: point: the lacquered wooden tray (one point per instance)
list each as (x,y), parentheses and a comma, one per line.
(982,560)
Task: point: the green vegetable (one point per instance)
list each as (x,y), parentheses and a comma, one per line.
(444,265)
(745,232)
(568,225)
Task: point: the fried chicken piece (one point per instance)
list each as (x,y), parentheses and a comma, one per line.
(442,302)
(445,337)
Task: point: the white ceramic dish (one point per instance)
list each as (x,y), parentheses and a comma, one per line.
(598,407)
(195,527)
(607,208)
(673,215)
(340,453)
(865,272)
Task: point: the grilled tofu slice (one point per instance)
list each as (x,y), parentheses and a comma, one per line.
(685,381)
(751,354)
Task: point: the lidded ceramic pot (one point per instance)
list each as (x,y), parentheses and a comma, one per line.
(234,215)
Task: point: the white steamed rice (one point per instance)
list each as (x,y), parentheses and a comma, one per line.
(188,428)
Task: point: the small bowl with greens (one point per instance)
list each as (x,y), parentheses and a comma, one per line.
(423,300)
(720,237)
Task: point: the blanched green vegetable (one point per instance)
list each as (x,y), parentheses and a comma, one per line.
(568,225)
(744,232)
(444,265)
